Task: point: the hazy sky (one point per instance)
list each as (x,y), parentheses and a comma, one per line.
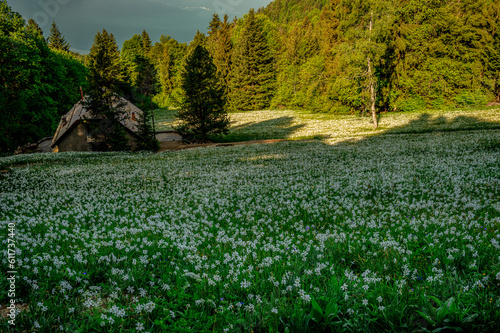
(79,20)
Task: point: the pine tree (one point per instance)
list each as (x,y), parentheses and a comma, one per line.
(214,25)
(220,48)
(56,39)
(103,100)
(203,109)
(252,81)
(146,43)
(147,139)
(34,27)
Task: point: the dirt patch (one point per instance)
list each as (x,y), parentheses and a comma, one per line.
(4,311)
(179,145)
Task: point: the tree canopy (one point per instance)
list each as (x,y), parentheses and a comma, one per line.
(37,84)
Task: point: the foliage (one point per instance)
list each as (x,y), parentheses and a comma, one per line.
(168,56)
(252,79)
(244,238)
(203,109)
(103,100)
(147,139)
(220,47)
(202,112)
(435,53)
(37,84)
(447,316)
(56,39)
(34,27)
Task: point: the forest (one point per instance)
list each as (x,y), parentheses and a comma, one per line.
(338,56)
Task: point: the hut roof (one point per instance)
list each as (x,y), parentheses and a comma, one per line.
(78,112)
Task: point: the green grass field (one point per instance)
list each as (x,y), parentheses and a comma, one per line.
(361,231)
(260,125)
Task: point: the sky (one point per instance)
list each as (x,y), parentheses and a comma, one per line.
(79,20)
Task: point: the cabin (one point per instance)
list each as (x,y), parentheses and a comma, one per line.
(74,132)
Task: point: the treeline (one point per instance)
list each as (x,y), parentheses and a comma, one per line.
(342,56)
(39,80)
(423,54)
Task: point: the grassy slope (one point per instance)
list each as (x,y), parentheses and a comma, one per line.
(258,125)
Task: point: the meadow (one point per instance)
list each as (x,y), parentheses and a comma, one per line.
(353,232)
(331,128)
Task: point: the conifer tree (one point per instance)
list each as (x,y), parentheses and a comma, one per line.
(56,39)
(214,26)
(131,49)
(168,56)
(203,109)
(34,27)
(199,39)
(103,100)
(146,43)
(252,81)
(220,47)
(147,139)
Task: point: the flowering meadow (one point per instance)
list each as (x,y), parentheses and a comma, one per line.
(387,233)
(293,124)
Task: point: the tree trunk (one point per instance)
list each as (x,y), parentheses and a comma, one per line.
(372,94)
(371,78)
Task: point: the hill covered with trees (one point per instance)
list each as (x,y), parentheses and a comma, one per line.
(337,56)
(434,54)
(328,55)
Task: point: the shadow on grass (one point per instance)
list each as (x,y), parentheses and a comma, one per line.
(427,124)
(277,128)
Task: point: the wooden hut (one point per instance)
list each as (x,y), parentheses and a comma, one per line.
(75,134)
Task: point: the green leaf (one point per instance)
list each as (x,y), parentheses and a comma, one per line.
(316,307)
(427,318)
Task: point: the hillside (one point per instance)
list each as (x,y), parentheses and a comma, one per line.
(434,55)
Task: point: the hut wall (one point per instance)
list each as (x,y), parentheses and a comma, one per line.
(75,140)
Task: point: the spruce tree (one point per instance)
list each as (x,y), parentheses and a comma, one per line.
(147,138)
(35,28)
(103,100)
(214,25)
(252,81)
(146,43)
(56,39)
(203,108)
(131,49)
(220,47)
(199,39)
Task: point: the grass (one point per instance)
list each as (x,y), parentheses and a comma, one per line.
(294,125)
(378,233)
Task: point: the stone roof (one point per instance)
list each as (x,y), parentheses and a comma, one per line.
(72,118)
